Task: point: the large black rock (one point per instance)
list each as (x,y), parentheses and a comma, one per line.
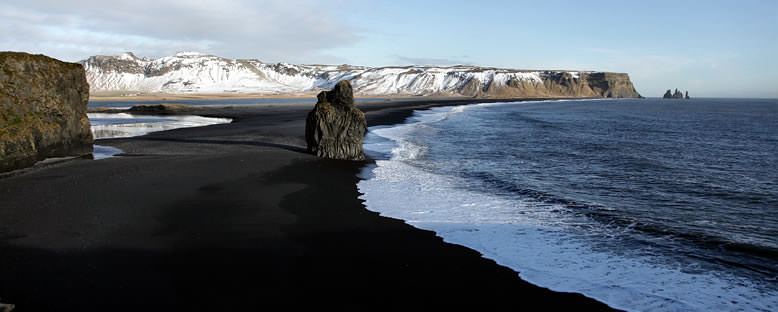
(335,127)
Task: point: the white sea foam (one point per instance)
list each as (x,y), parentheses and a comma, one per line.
(534,238)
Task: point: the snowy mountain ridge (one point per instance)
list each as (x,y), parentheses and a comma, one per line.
(193,72)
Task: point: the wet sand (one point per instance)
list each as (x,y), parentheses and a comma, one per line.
(234,217)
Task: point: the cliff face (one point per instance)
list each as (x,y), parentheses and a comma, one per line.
(560,84)
(42,110)
(199,73)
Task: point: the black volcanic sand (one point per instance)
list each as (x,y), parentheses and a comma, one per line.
(233,217)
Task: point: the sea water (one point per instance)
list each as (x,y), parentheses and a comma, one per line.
(644,204)
(123,125)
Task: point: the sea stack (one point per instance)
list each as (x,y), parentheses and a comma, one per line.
(335,127)
(675,95)
(43,105)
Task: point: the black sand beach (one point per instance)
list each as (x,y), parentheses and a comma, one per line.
(234,217)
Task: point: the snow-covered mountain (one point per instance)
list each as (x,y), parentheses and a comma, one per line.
(192,72)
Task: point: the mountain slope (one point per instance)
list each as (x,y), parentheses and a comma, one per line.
(191,72)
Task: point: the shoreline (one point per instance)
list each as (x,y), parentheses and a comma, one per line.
(228,216)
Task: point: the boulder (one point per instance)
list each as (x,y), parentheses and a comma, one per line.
(43,105)
(6,307)
(335,127)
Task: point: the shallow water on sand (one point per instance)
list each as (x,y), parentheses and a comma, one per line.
(121,125)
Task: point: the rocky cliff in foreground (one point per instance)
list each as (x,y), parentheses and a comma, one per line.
(42,110)
(191,72)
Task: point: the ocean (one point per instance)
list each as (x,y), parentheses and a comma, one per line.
(123,125)
(644,204)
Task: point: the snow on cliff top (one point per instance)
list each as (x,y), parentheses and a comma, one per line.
(195,72)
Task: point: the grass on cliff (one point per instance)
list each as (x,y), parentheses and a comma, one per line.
(15,126)
(10,123)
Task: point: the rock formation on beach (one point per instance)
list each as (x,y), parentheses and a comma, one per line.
(43,105)
(335,127)
(675,95)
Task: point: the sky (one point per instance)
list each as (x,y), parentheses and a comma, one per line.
(711,48)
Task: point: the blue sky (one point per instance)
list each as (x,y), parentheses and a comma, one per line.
(711,48)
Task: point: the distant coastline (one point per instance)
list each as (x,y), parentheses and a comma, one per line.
(197,73)
(123,96)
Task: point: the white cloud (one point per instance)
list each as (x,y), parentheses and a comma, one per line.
(299,31)
(431,61)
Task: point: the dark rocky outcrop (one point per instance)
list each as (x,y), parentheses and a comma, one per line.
(43,105)
(675,95)
(335,127)
(610,85)
(160,109)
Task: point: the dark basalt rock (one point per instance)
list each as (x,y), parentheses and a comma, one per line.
(43,105)
(675,95)
(335,127)
(161,109)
